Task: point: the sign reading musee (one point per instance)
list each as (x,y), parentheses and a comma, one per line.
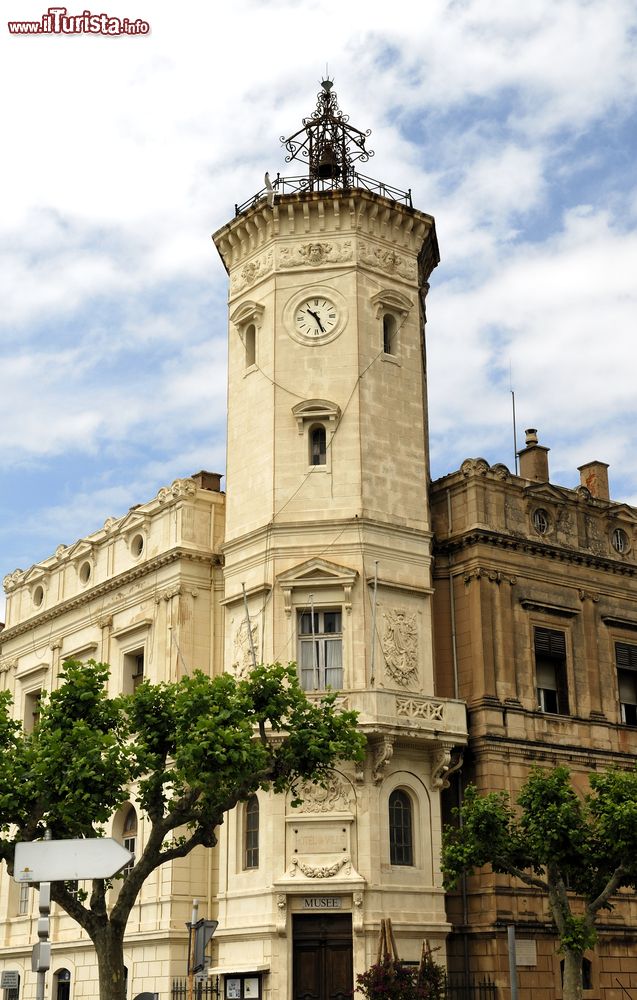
(68,860)
(322,903)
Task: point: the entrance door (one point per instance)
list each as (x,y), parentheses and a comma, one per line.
(323,967)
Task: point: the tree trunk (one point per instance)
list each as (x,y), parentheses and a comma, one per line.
(109,947)
(572,989)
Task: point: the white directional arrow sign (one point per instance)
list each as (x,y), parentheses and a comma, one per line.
(69,860)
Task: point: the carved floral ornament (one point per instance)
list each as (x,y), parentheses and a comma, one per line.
(343,865)
(387,260)
(251,272)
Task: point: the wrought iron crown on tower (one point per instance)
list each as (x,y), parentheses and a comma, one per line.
(330,146)
(328,143)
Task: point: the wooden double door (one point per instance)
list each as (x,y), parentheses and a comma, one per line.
(322,963)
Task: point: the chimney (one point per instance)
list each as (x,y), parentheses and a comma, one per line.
(534,459)
(594,476)
(208,480)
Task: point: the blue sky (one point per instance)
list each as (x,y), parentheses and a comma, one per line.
(514,125)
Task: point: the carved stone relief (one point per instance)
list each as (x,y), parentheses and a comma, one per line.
(515,519)
(336,796)
(594,538)
(400,646)
(315,254)
(321,871)
(242,651)
(564,526)
(251,272)
(387,260)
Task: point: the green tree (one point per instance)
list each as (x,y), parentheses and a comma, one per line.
(185,752)
(579,850)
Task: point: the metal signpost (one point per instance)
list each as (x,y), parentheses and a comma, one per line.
(47,861)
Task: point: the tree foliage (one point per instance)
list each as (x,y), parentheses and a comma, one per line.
(184,752)
(578,849)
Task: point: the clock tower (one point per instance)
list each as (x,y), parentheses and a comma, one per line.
(328,563)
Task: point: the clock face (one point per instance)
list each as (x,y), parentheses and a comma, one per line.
(316,316)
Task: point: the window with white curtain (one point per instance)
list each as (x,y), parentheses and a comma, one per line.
(321,649)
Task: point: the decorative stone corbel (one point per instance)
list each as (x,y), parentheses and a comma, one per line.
(357,913)
(281,914)
(382,757)
(443,766)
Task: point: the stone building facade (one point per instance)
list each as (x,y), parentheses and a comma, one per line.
(535,625)
(321,553)
(142,594)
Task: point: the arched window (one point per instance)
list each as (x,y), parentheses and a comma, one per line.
(62,984)
(401,845)
(587,973)
(251,852)
(129,838)
(318,445)
(390,332)
(251,345)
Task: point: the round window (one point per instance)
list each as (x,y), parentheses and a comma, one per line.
(619,540)
(38,595)
(137,545)
(541,521)
(85,572)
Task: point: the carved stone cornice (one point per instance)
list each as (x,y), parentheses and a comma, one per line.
(492,575)
(558,610)
(102,589)
(579,557)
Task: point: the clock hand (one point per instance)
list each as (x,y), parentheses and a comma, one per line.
(317,318)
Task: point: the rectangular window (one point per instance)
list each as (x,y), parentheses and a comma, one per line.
(31,710)
(321,650)
(626,660)
(550,670)
(130,843)
(23,901)
(133,670)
